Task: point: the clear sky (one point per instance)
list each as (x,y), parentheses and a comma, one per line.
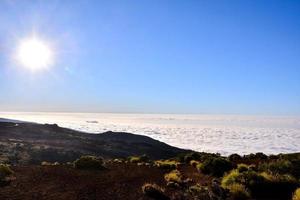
(154,56)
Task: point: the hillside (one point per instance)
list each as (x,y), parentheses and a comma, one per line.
(30,143)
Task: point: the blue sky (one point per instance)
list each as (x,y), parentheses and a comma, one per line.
(219,57)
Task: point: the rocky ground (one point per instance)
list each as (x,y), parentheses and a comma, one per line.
(118,181)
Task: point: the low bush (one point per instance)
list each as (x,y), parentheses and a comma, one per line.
(197,156)
(296,168)
(215,166)
(197,188)
(194,163)
(273,157)
(290,156)
(5,173)
(89,162)
(202,156)
(138,159)
(262,185)
(192,156)
(277,185)
(296,195)
(200,192)
(238,192)
(277,167)
(173,176)
(235,158)
(167,164)
(247,178)
(154,191)
(242,167)
(199,166)
(258,157)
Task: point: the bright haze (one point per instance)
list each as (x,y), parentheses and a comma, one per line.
(213,57)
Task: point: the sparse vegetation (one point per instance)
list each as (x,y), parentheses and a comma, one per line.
(251,177)
(197,156)
(89,162)
(235,158)
(296,195)
(242,168)
(174,176)
(138,159)
(215,166)
(280,166)
(257,157)
(5,172)
(166,164)
(200,192)
(261,184)
(238,192)
(194,163)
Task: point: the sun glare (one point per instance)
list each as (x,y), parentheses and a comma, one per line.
(34,54)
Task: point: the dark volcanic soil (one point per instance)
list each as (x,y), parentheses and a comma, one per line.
(119,181)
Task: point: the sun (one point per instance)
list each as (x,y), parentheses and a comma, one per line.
(34,54)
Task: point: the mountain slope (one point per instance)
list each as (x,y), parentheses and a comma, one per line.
(30,143)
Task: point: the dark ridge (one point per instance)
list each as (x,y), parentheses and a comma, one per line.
(31,143)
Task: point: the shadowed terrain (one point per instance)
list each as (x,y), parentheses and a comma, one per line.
(30,143)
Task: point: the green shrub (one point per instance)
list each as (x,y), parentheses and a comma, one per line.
(235,158)
(277,167)
(262,185)
(197,188)
(167,164)
(199,166)
(89,162)
(5,173)
(154,191)
(290,156)
(198,156)
(273,157)
(138,159)
(199,192)
(256,157)
(296,195)
(173,176)
(277,185)
(192,156)
(238,192)
(247,178)
(242,167)
(216,166)
(194,163)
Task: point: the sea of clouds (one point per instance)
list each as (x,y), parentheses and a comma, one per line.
(225,134)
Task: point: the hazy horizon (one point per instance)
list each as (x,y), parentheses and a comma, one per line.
(154,113)
(224,134)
